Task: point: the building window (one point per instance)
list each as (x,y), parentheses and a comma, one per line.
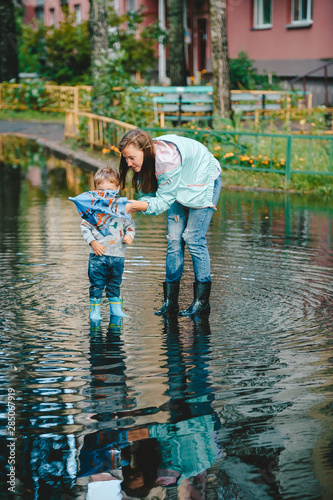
(40,13)
(52,17)
(78,17)
(130,4)
(262,14)
(301,12)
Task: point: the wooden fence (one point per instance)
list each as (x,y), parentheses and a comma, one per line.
(54,98)
(94,129)
(60,98)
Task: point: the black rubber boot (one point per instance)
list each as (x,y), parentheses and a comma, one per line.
(170,305)
(200,305)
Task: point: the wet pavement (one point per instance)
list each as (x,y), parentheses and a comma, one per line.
(53,131)
(50,135)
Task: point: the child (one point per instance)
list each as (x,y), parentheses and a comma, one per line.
(107,229)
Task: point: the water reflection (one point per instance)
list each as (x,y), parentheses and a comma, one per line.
(173,455)
(239,407)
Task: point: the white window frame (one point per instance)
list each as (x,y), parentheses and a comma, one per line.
(258,15)
(115,4)
(78,14)
(52,17)
(130,5)
(40,14)
(302,22)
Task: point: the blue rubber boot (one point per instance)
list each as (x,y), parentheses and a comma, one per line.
(95,310)
(115,307)
(115,324)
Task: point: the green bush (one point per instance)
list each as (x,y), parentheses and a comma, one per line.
(61,54)
(243,75)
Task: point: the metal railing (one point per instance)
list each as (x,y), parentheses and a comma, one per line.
(284,154)
(312,72)
(274,153)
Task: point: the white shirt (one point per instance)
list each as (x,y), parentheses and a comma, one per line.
(168,157)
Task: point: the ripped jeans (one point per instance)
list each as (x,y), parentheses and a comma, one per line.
(189,226)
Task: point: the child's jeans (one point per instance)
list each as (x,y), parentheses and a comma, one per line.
(105,272)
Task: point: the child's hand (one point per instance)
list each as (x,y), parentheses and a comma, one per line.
(98,248)
(127,239)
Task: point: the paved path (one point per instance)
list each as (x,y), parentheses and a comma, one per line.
(47,130)
(51,136)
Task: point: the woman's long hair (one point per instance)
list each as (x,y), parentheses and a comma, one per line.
(145,180)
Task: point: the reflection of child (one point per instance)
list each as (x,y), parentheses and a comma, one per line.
(107,240)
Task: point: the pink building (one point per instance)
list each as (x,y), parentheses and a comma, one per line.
(49,11)
(286,37)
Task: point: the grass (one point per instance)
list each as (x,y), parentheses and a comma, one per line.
(309,184)
(30,114)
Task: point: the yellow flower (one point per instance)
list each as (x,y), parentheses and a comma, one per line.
(217,148)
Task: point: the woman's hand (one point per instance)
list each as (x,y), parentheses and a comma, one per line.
(136,206)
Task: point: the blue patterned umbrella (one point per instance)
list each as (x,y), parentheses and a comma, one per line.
(94,205)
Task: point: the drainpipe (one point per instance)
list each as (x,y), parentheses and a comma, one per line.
(162,78)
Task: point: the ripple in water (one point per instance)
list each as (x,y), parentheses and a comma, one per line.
(237,406)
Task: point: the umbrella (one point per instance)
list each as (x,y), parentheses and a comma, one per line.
(94,205)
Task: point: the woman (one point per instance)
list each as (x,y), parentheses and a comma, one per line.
(180,175)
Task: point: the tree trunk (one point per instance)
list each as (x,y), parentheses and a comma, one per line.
(8,41)
(177,62)
(99,36)
(220,58)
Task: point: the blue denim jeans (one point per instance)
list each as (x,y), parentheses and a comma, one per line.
(189,226)
(105,272)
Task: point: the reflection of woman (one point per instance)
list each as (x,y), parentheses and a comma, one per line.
(180,175)
(177,453)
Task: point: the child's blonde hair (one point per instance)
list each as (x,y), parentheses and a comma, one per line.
(108,174)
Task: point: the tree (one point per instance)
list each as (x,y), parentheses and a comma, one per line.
(116,93)
(176,42)
(99,37)
(220,59)
(8,41)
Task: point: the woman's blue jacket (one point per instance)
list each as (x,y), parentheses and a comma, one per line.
(191,183)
